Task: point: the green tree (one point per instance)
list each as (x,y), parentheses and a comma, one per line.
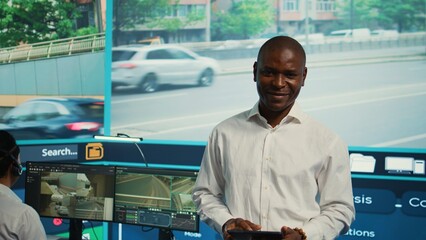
(403,15)
(129,13)
(86,31)
(23,21)
(243,20)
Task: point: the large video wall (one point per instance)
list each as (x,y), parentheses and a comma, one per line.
(368,92)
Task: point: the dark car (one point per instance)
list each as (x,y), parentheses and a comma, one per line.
(52,118)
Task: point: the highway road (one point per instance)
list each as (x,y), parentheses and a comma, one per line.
(373,104)
(156,192)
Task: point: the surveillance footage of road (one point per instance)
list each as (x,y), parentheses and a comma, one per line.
(342,89)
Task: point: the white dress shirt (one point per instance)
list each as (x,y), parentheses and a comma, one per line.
(18,220)
(296,174)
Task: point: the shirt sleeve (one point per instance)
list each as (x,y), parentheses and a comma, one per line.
(208,193)
(30,225)
(336,197)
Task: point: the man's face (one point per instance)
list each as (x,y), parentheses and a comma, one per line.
(279,76)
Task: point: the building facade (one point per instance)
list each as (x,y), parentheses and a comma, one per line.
(291,17)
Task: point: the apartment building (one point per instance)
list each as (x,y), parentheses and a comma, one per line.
(292,15)
(290,18)
(191,31)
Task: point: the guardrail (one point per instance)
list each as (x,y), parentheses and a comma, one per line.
(403,38)
(67,46)
(249,48)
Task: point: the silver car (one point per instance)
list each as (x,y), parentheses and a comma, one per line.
(148,67)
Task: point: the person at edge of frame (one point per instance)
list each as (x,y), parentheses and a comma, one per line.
(17,219)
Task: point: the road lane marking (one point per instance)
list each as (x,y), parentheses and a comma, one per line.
(182,128)
(311,109)
(401,140)
(308,109)
(148,98)
(365,92)
(165,120)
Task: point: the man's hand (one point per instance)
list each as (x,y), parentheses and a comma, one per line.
(290,234)
(238,224)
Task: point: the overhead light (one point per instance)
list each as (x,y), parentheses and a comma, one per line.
(121,137)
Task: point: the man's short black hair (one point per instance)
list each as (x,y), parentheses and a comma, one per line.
(280,42)
(9,151)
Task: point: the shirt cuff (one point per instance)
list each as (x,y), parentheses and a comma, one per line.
(222,220)
(216,220)
(312,231)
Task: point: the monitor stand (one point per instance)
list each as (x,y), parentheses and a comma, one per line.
(165,234)
(76,229)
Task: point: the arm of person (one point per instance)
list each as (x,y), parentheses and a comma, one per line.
(208,193)
(31,227)
(335,196)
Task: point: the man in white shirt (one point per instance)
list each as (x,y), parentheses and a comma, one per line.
(273,167)
(17,220)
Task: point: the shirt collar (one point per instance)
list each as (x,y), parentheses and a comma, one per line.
(296,114)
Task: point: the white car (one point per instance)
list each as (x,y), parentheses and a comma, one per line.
(313,38)
(149,67)
(384,35)
(349,35)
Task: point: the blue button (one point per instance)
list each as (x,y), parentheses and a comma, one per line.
(374,200)
(414,203)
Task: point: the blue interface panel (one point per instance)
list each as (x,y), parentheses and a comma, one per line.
(389,185)
(389,194)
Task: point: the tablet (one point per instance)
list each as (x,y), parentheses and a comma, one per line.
(255,235)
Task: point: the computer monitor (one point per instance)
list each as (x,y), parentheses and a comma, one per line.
(70,190)
(156,197)
(399,164)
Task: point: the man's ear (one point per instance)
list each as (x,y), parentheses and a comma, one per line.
(254,71)
(305,73)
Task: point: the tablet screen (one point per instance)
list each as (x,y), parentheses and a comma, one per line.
(255,235)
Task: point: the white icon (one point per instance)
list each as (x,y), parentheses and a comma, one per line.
(404,165)
(361,163)
(419,166)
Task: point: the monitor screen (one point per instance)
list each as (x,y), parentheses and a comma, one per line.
(70,190)
(156,197)
(399,164)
